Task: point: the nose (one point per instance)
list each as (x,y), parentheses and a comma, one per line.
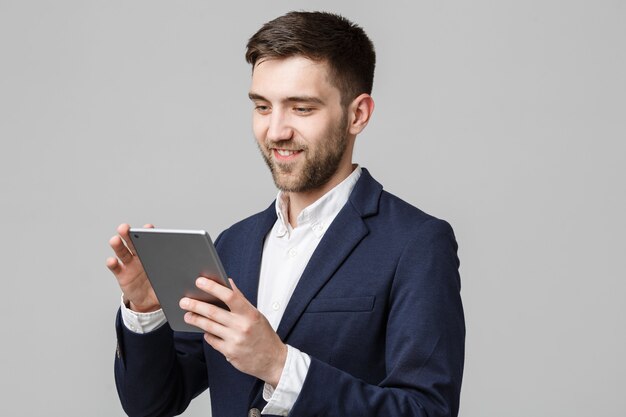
(279,127)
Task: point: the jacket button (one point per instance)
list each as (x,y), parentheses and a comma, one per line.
(254,412)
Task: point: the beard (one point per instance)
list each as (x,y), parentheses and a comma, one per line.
(319,164)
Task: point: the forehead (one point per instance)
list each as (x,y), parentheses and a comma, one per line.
(277,79)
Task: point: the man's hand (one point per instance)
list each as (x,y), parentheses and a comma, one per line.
(243,335)
(129,272)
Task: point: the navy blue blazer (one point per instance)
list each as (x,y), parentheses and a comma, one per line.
(377,308)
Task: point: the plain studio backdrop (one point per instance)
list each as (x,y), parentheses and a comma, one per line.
(506,118)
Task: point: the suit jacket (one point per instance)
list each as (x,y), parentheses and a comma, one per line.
(377,308)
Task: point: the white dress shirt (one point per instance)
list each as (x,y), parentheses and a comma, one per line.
(286,253)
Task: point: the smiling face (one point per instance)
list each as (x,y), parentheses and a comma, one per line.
(300,125)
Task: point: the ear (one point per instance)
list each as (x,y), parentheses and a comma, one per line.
(360,111)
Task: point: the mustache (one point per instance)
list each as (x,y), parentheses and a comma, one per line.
(289,144)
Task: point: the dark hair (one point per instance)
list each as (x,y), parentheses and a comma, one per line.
(320,36)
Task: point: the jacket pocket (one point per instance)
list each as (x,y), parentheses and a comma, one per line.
(350,304)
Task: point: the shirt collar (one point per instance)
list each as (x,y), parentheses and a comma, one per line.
(322,212)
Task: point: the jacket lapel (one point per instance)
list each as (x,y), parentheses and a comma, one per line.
(248,283)
(345,233)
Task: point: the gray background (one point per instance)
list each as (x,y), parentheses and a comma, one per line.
(506,118)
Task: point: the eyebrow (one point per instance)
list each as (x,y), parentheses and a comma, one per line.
(292,99)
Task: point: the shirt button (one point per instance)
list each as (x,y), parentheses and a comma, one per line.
(254,412)
(292,253)
(275,305)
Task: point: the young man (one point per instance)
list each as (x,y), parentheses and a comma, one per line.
(345,299)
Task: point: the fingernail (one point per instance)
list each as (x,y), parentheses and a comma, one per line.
(201,282)
(187,317)
(184,302)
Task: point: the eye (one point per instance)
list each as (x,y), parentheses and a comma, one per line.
(303,110)
(262,109)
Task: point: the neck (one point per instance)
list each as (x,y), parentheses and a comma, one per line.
(298,201)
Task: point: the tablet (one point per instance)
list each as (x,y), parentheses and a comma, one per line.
(173,261)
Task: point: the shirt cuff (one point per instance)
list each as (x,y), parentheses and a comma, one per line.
(142,322)
(280,400)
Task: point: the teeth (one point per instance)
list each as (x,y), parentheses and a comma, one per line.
(284,152)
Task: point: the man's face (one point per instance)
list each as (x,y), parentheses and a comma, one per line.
(299,123)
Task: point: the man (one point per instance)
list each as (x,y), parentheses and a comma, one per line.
(345,299)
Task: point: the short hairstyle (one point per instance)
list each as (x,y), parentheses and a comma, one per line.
(324,37)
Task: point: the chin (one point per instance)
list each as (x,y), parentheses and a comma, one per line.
(287,185)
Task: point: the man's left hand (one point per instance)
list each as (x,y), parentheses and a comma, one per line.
(243,335)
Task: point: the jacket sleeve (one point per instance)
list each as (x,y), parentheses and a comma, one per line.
(424,344)
(160,372)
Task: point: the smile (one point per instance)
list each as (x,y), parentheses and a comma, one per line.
(285,154)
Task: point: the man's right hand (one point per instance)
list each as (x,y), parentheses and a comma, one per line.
(129,272)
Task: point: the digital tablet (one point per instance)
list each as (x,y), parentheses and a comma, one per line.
(173,261)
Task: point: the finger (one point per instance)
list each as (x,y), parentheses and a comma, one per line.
(210,311)
(124,232)
(207,325)
(235,301)
(242,298)
(216,343)
(120,249)
(114,265)
(234,287)
(148,226)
